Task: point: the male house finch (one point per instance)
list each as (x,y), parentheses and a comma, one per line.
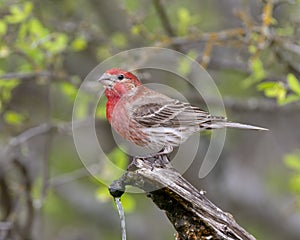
(150,119)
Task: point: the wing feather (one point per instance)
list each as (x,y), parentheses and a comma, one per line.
(172,113)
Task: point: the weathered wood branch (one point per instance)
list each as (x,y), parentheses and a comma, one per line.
(190,212)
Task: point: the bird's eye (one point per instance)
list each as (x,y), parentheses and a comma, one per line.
(121,76)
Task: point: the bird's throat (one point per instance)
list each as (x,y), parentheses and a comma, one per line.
(113,96)
(112,100)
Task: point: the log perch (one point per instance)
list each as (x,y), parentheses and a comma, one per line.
(191,213)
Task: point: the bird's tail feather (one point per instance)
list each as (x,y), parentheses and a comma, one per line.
(222,124)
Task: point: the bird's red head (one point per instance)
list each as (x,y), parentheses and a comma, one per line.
(118,82)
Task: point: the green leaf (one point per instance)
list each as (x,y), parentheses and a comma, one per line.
(13,118)
(274,90)
(293,83)
(295,183)
(37,30)
(57,43)
(184,22)
(119,40)
(292,161)
(103,52)
(128,203)
(135,29)
(118,157)
(257,73)
(8,83)
(252,49)
(28,6)
(34,53)
(280,93)
(79,44)
(258,69)
(102,194)
(69,89)
(3,28)
(271,92)
(19,13)
(265,85)
(290,99)
(184,15)
(23,30)
(6,87)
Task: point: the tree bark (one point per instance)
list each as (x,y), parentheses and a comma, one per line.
(191,213)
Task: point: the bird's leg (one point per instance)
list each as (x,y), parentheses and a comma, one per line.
(160,158)
(162,155)
(164,151)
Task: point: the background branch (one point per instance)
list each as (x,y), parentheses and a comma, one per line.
(24,76)
(27,227)
(165,22)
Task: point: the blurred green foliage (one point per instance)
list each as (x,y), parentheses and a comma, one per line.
(28,46)
(13,118)
(292,161)
(36,43)
(284,93)
(257,73)
(6,88)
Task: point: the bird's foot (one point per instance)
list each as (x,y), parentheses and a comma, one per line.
(157,159)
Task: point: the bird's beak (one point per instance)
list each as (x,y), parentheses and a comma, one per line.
(106,80)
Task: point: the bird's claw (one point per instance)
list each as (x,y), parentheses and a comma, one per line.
(158,159)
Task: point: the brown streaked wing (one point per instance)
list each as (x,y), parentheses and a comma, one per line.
(170,114)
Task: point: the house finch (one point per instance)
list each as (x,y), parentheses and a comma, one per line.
(150,119)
